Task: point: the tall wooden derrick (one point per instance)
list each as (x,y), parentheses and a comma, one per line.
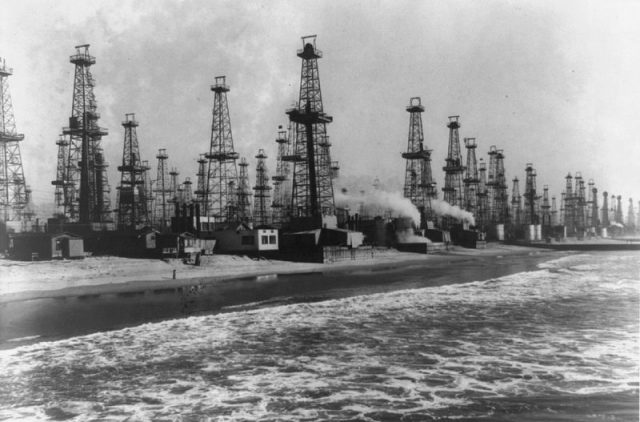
(243,200)
(471,178)
(483,212)
(132,201)
(312,191)
(545,208)
(261,192)
(416,179)
(516,203)
(13,189)
(81,174)
(221,182)
(281,202)
(453,193)
(531,197)
(497,187)
(162,210)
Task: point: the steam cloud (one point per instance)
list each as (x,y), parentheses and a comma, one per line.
(399,205)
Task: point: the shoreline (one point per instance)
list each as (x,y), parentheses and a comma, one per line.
(213,273)
(28,317)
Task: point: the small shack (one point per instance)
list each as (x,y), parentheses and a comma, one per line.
(45,246)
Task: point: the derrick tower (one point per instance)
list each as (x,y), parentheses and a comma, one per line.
(281,186)
(415,179)
(482,217)
(579,204)
(618,213)
(162,191)
(605,210)
(497,187)
(531,197)
(545,207)
(201,181)
(554,211)
(595,221)
(13,189)
(219,196)
(147,186)
(174,188)
(261,189)
(471,179)
(83,178)
(132,202)
(61,182)
(187,193)
(569,208)
(244,194)
(516,202)
(312,191)
(453,170)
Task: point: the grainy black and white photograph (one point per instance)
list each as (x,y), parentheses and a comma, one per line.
(319,210)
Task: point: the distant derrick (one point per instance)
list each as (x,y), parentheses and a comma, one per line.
(554,212)
(453,170)
(244,194)
(472,179)
(220,194)
(162,210)
(618,212)
(201,182)
(418,181)
(593,221)
(13,188)
(174,188)
(312,192)
(132,201)
(261,189)
(497,187)
(516,203)
(546,211)
(483,212)
(83,179)
(605,209)
(281,203)
(531,197)
(187,192)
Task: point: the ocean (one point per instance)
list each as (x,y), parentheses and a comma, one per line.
(560,343)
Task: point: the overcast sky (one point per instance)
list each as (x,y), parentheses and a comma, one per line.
(553,83)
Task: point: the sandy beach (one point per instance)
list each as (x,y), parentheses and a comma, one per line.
(58,299)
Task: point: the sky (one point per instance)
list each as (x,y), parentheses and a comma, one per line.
(552,83)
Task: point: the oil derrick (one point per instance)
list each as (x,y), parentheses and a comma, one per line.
(201,181)
(261,189)
(28,213)
(187,193)
(497,187)
(531,197)
(618,213)
(85,178)
(312,191)
(605,210)
(516,203)
(281,186)
(61,182)
(174,187)
(579,205)
(132,204)
(453,170)
(472,179)
(482,215)
(415,179)
(147,190)
(595,222)
(162,192)
(569,206)
(244,194)
(546,213)
(219,196)
(13,195)
(563,210)
(554,211)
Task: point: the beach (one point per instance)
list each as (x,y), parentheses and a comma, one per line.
(56,299)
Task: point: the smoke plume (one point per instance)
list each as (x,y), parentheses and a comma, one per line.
(445,209)
(379,199)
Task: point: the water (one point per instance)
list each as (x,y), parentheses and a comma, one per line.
(558,343)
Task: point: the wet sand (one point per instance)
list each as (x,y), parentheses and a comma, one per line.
(41,315)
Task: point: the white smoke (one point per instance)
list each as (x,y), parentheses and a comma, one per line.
(446,209)
(392,201)
(408,236)
(616,224)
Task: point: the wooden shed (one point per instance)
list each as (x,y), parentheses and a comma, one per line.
(45,246)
